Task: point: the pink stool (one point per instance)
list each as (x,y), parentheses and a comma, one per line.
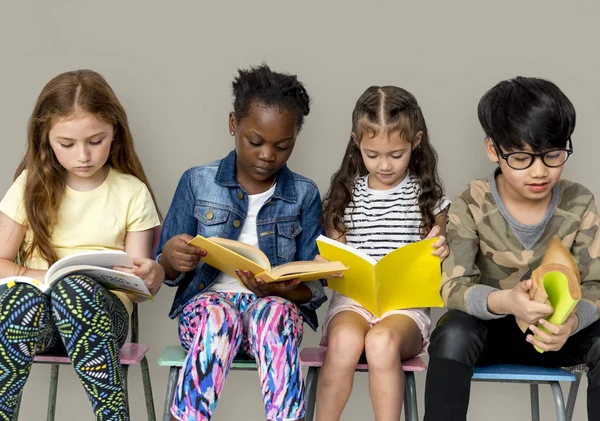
(313,359)
(131,353)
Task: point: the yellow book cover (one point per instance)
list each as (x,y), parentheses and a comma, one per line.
(555,282)
(408,277)
(229,255)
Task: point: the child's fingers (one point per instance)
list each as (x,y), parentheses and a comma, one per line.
(551,327)
(438,252)
(190,250)
(319,258)
(540,310)
(541,335)
(442,252)
(293,283)
(434,232)
(123,269)
(439,242)
(536,342)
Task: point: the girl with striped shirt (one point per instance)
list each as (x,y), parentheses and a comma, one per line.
(386,194)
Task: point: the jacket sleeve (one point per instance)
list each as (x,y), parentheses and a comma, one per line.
(586,251)
(179,220)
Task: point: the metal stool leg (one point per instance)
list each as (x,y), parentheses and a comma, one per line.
(410,397)
(573,389)
(173,375)
(535,402)
(148,389)
(311,392)
(53,391)
(125,370)
(18,407)
(559,401)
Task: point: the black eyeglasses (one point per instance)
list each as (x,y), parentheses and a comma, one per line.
(523,160)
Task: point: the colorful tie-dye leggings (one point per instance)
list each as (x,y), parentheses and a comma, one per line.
(92,324)
(213,326)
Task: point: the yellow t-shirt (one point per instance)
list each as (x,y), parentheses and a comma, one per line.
(92,220)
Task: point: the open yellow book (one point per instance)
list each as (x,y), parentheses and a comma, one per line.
(555,282)
(408,277)
(229,255)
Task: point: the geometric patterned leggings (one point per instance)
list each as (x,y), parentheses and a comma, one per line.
(80,316)
(214,326)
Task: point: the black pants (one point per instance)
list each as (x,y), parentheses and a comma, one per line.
(461,342)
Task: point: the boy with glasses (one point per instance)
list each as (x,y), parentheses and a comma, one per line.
(499,229)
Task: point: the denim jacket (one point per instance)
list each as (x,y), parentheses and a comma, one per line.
(210,202)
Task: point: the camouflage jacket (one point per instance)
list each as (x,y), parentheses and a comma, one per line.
(485,254)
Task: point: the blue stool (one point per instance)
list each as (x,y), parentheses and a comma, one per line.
(534,376)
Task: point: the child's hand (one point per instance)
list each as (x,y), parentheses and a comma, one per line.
(263,289)
(319,258)
(150,271)
(555,338)
(181,256)
(519,303)
(440,246)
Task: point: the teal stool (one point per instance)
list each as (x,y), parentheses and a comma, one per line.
(174,356)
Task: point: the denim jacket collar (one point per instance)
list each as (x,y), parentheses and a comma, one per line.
(284,189)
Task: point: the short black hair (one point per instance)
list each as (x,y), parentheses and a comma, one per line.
(261,85)
(527,111)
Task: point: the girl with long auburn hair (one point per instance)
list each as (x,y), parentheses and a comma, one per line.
(80,187)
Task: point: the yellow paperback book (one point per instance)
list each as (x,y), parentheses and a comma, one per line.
(555,282)
(229,255)
(407,277)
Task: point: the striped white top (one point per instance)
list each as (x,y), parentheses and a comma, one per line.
(380,221)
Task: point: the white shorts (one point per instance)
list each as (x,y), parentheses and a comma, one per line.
(339,303)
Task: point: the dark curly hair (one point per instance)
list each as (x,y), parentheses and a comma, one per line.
(394,109)
(263,86)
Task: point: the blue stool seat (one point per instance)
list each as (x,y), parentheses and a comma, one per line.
(522,373)
(534,376)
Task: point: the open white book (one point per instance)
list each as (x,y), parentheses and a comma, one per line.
(95,264)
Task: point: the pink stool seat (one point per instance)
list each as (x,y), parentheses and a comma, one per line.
(314,357)
(129,354)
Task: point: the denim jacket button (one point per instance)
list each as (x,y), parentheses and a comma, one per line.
(240,195)
(237,223)
(209,215)
(201,286)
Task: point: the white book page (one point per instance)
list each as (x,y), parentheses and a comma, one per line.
(109,278)
(102,258)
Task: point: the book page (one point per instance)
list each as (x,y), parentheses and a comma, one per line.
(220,254)
(251,253)
(100,258)
(109,278)
(409,277)
(358,282)
(305,270)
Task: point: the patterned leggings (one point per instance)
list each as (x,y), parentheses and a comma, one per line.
(79,315)
(213,326)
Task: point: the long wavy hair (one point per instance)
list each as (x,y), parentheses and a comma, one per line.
(64,95)
(391,109)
